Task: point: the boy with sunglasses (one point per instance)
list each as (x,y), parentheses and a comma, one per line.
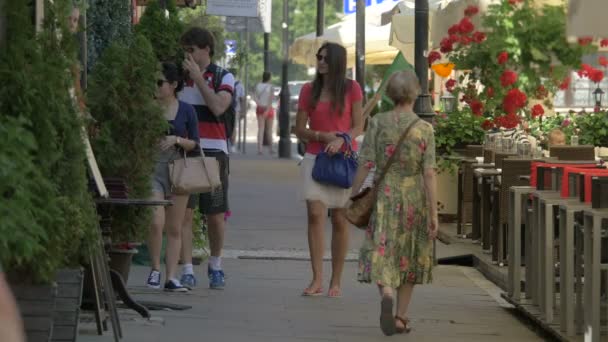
(208,88)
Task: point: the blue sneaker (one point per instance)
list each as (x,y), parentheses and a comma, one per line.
(153,280)
(216,279)
(188,280)
(175,286)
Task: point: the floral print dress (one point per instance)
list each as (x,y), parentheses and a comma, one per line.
(397,248)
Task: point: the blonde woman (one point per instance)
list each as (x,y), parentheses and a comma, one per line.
(398,249)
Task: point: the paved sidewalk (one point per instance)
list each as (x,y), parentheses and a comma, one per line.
(262,300)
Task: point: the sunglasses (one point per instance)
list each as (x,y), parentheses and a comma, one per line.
(321,58)
(160,83)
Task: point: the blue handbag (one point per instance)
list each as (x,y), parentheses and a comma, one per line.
(338,169)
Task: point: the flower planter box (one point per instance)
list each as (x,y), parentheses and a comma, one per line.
(50,312)
(120,261)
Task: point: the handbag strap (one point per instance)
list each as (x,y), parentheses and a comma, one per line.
(392,158)
(347,141)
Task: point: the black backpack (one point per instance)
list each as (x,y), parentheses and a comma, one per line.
(230,113)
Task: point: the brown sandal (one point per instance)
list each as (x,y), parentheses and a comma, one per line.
(406,325)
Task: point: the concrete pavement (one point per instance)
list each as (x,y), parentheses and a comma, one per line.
(265,239)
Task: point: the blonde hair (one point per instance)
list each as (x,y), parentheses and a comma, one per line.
(403,87)
(555,134)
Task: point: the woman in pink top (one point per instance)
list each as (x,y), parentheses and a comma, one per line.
(330,104)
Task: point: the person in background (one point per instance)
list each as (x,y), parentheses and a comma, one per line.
(11,325)
(328,105)
(397,252)
(240,108)
(182,136)
(209,88)
(557,137)
(264,95)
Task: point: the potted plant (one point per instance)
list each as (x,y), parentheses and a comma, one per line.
(121,99)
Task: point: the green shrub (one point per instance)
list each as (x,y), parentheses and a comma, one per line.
(121,99)
(163,32)
(108,21)
(47,212)
(593,128)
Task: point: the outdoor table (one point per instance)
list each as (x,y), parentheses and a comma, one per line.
(518,199)
(593,219)
(104,209)
(569,259)
(481,206)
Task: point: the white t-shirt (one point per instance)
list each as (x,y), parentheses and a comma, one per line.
(239,93)
(263,94)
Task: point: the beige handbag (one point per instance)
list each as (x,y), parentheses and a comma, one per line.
(362,206)
(194,175)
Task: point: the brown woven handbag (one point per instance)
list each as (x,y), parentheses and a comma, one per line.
(360,210)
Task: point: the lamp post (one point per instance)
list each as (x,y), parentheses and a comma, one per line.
(449,102)
(598,94)
(285,139)
(360,44)
(421,45)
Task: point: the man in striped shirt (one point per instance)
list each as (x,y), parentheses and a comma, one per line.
(209,88)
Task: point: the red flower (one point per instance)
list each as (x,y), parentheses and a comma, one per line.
(479,37)
(507,121)
(487,125)
(514,101)
(604,42)
(450,84)
(411,277)
(404,263)
(514,2)
(389,150)
(465,40)
(466,26)
(603,61)
(490,92)
(503,57)
(454,29)
(422,146)
(537,110)
(565,83)
(596,75)
(381,250)
(584,41)
(477,107)
(508,78)
(541,92)
(410,217)
(446,45)
(433,57)
(471,11)
(585,70)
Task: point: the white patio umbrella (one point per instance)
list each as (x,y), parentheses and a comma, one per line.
(377,49)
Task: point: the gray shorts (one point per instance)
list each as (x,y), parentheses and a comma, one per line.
(216,202)
(160,179)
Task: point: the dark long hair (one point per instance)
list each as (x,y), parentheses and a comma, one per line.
(335,77)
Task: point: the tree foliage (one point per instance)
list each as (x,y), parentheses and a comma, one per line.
(108,21)
(47,212)
(121,99)
(162,31)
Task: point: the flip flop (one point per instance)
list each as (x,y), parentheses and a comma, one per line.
(308,292)
(334,293)
(406,325)
(387,320)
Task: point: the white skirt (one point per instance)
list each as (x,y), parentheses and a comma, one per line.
(331,196)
